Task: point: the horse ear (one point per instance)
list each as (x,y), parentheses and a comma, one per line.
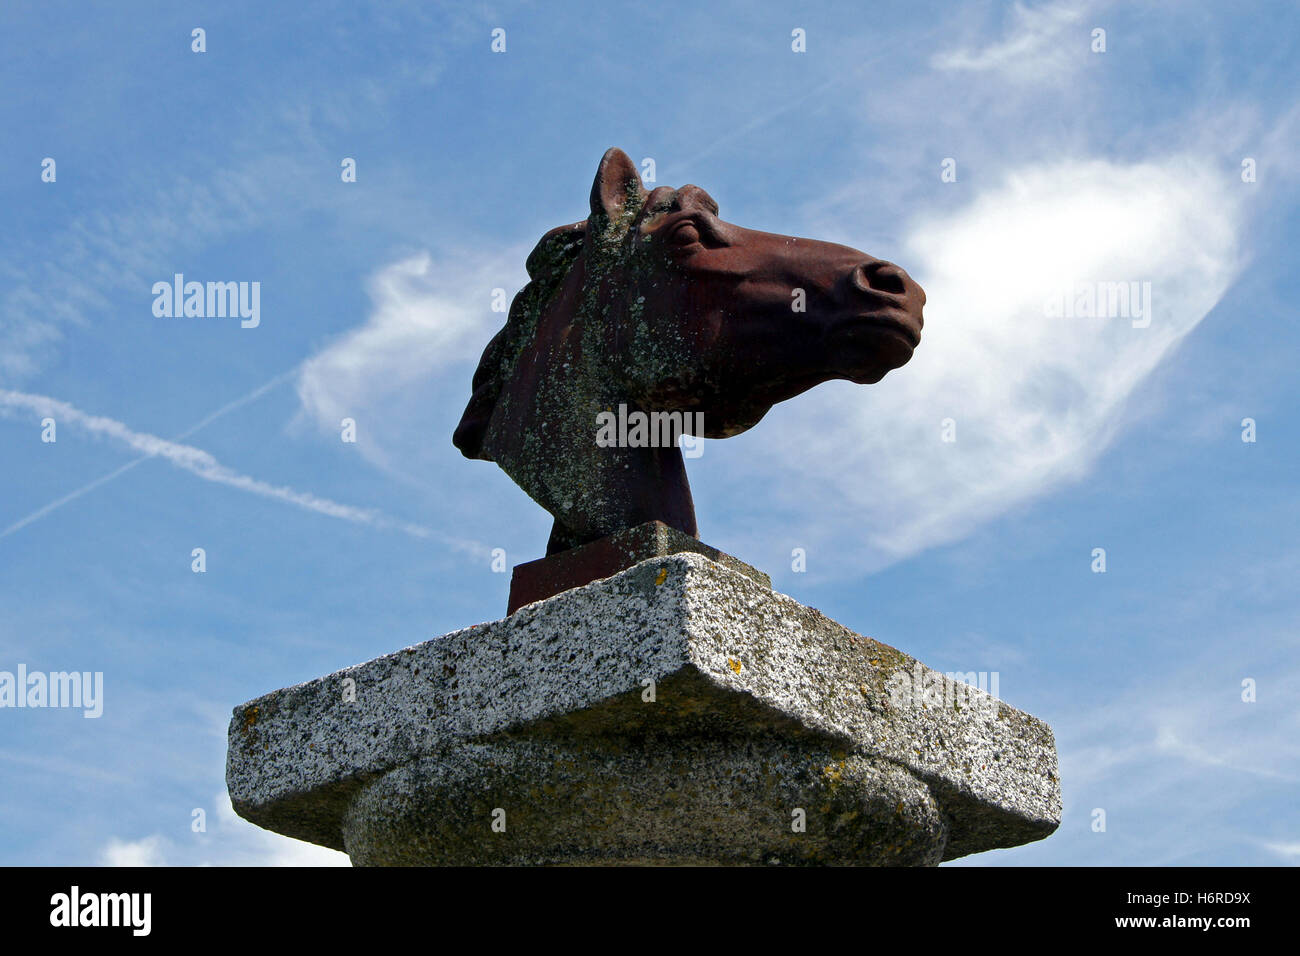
(617,182)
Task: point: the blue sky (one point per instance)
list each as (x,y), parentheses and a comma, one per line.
(1073,166)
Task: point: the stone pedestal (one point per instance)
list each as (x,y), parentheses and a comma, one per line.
(676,713)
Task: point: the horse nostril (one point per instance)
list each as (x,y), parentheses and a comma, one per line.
(881,276)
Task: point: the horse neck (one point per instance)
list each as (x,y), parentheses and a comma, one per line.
(622,488)
(612,488)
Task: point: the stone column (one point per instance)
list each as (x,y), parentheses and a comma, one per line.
(678,712)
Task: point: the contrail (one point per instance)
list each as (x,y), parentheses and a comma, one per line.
(104,479)
(191,459)
(60,502)
(239,402)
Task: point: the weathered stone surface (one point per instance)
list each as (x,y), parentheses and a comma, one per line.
(762,707)
(714,801)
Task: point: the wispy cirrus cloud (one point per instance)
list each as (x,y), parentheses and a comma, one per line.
(1182,739)
(1033,49)
(183,199)
(79,269)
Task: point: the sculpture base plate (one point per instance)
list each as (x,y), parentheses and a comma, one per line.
(555,573)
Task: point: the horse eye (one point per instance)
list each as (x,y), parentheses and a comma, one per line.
(686,234)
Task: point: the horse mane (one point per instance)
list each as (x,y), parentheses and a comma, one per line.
(548,265)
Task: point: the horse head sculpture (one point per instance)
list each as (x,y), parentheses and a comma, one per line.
(655,304)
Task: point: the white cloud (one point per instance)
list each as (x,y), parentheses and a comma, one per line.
(1040,46)
(1035,399)
(1288,851)
(426,317)
(232,841)
(146,852)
